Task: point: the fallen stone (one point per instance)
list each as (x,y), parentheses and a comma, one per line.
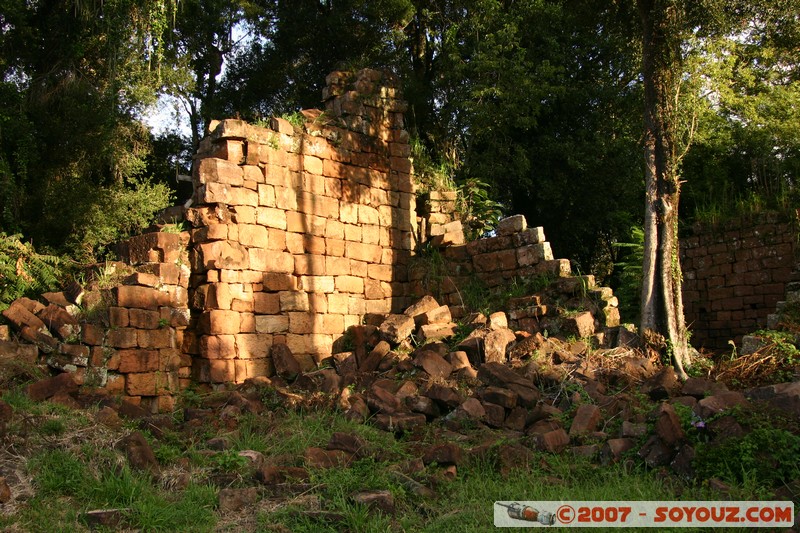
(422,306)
(285,363)
(513,457)
(399,423)
(5,491)
(472,408)
(58,320)
(495,344)
(497,321)
(139,452)
(396,328)
(516,419)
(439,315)
(633,429)
(435,332)
(668,425)
(346,363)
(458,360)
(663,385)
(444,394)
(585,421)
(107,518)
(373,360)
(19,352)
(424,405)
(274,475)
(526,348)
(109,418)
(554,441)
(500,396)
(433,364)
(255,459)
(614,448)
(501,376)
(580,325)
(655,452)
(348,442)
(718,403)
(587,451)
(702,387)
(473,346)
(381,500)
(406,389)
(495,414)
(381,400)
(319,458)
(49,387)
(358,410)
(526,396)
(237,499)
(444,454)
(683,462)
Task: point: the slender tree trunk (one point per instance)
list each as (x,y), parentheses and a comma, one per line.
(662,318)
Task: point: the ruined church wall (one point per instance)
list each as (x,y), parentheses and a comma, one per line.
(734,274)
(300,231)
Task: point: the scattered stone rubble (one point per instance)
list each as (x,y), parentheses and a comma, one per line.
(520,392)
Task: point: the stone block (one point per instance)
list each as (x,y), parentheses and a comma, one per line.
(59,321)
(495,344)
(155,338)
(433,364)
(554,441)
(396,328)
(122,338)
(512,224)
(220,322)
(585,421)
(138,360)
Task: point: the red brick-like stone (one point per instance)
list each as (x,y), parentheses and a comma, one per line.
(585,421)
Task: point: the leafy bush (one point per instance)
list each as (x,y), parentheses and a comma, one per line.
(628,274)
(25,272)
(117,213)
(765,455)
(478,211)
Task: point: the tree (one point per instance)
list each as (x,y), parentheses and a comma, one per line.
(77,76)
(662,302)
(666,27)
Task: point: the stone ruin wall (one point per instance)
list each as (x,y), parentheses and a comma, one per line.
(734,276)
(297,232)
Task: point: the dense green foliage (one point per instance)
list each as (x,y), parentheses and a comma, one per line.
(23,272)
(541,100)
(76,78)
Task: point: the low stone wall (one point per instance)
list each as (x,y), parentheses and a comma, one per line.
(734,275)
(517,252)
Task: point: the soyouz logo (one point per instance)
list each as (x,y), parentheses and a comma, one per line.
(657,514)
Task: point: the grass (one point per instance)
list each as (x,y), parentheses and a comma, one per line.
(72,466)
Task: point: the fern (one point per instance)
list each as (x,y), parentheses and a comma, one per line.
(25,272)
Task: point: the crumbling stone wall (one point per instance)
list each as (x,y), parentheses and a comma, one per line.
(734,275)
(517,251)
(300,231)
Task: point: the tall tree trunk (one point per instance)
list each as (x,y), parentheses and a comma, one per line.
(662,318)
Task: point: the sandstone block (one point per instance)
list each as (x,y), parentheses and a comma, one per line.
(585,421)
(495,344)
(433,364)
(133,360)
(396,328)
(512,224)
